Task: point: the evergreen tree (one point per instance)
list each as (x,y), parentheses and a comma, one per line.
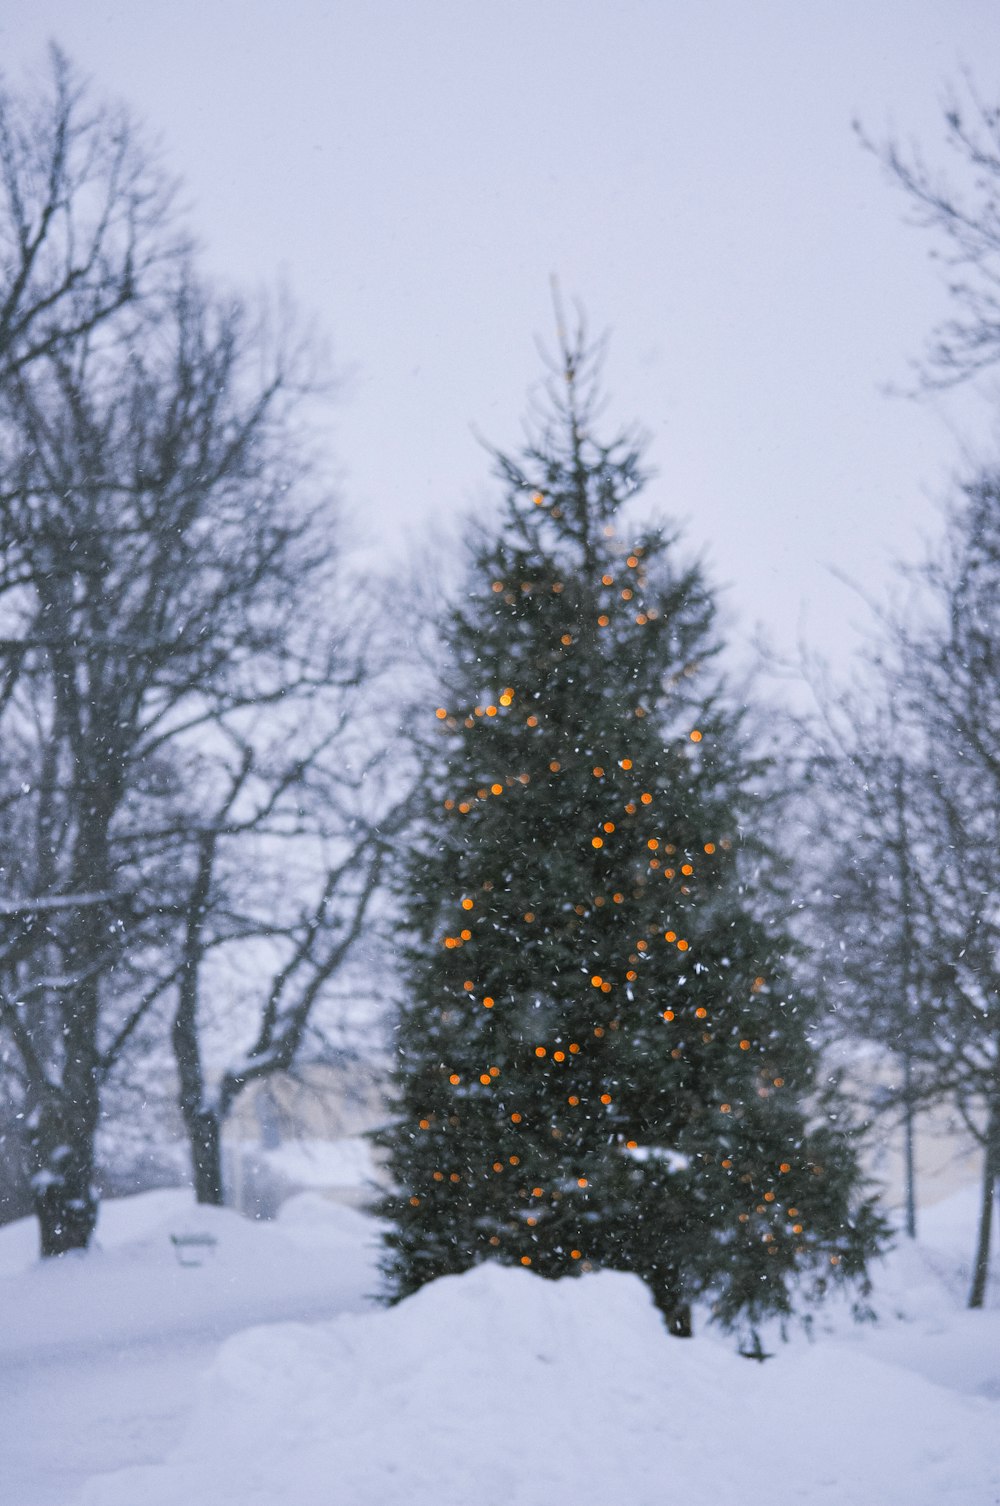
(600,1063)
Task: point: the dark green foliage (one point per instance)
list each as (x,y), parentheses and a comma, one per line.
(599,1060)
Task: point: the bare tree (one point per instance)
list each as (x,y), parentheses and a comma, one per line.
(961,210)
(909,833)
(166,573)
(86,223)
(314,831)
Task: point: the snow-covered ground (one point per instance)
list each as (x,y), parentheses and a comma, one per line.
(495,1387)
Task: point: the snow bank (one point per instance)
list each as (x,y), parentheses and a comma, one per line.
(130,1288)
(497,1388)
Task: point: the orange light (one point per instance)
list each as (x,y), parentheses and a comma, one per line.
(539,1050)
(484,1078)
(695,736)
(784,1167)
(529,916)
(467,904)
(525,1259)
(536,1192)
(574,1048)
(425,1124)
(532,721)
(627,595)
(468,985)
(596,981)
(687,870)
(605,1097)
(449,805)
(496,789)
(725,1108)
(618,898)
(653,844)
(631,975)
(581,1181)
(555,766)
(598,1031)
(439,1176)
(727,1165)
(574,1254)
(605,987)
(488,1002)
(440,713)
(670,935)
(668,1014)
(598,771)
(603,620)
(464,807)
(631,562)
(514,1160)
(573,1100)
(631,1145)
(607,580)
(558,1056)
(494,1239)
(466,935)
(498,1166)
(498,585)
(796,1228)
(646,798)
(700,1014)
(642,946)
(537,498)
(597,841)
(454,1177)
(515,1118)
(744,1045)
(682,946)
(609,826)
(454,1078)
(710,847)
(566,638)
(779,1082)
(626,763)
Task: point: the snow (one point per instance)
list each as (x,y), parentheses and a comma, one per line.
(323,1163)
(492,1387)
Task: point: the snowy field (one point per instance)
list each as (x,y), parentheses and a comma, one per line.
(265,1377)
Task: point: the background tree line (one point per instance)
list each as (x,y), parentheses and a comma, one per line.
(191,767)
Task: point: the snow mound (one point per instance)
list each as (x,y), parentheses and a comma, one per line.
(497,1388)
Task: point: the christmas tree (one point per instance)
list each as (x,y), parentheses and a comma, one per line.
(600,1061)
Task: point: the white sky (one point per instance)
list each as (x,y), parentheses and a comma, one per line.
(416,169)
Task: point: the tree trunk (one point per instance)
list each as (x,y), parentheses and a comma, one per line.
(205,1133)
(675,1311)
(678,1320)
(909,1157)
(61,1148)
(981,1269)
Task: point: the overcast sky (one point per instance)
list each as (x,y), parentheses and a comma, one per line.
(415,170)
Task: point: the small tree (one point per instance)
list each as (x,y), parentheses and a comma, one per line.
(600,1060)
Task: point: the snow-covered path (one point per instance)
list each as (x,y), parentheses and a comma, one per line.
(101,1356)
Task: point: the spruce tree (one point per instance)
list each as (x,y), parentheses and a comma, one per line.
(600,1059)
